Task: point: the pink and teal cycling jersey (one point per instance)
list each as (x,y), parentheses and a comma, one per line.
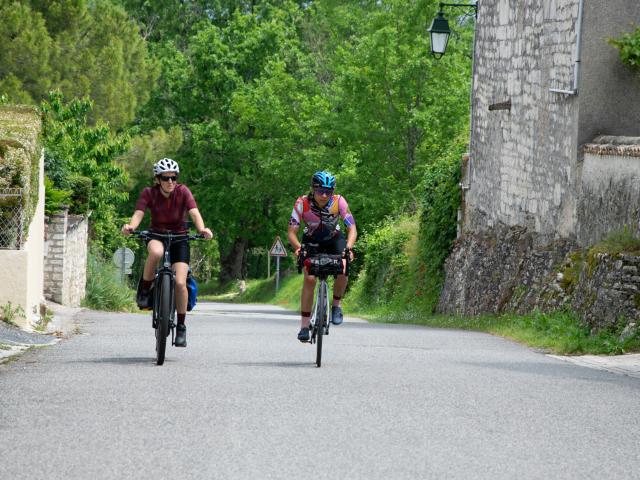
(321,223)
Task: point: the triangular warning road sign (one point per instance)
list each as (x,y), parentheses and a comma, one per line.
(277,250)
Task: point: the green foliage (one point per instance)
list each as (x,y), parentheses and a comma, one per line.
(81,188)
(558,332)
(629,46)
(387,261)
(20,162)
(205,260)
(82,48)
(10,314)
(105,290)
(143,152)
(55,198)
(82,158)
(25,68)
(263,291)
(621,241)
(562,332)
(438,218)
(269,92)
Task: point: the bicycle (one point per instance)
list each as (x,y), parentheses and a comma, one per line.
(322,266)
(163,289)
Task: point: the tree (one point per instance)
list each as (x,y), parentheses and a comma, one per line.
(241,94)
(81,48)
(25,70)
(73,149)
(104,56)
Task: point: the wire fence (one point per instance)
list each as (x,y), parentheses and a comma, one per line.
(11,218)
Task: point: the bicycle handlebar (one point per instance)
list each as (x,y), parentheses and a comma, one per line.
(148,235)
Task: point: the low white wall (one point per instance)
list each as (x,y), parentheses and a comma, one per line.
(22,271)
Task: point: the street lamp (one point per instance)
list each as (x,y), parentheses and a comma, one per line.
(440,31)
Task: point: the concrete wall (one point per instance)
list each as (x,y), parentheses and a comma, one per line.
(609,91)
(66,259)
(21,275)
(609,188)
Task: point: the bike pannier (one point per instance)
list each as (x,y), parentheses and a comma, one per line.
(192,289)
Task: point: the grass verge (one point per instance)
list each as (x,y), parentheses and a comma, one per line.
(104,290)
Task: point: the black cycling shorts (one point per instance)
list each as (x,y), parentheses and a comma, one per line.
(333,246)
(179,252)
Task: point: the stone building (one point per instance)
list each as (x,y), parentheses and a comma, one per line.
(550,93)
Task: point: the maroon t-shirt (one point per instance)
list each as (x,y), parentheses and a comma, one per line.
(167,214)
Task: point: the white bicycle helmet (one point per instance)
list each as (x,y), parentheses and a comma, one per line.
(165,165)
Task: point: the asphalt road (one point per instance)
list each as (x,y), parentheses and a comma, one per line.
(245,401)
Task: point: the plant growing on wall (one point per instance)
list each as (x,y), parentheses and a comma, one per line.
(629,46)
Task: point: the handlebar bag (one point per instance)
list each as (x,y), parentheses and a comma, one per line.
(324,265)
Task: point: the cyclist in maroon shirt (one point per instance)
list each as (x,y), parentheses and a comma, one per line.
(168,202)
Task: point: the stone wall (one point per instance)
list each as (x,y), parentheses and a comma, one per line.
(66,259)
(602,288)
(523,165)
(525,139)
(499,270)
(533,194)
(504,271)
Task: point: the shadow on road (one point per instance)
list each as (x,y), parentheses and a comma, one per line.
(558,370)
(273,364)
(120,360)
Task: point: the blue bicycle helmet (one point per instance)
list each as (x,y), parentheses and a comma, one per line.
(323,179)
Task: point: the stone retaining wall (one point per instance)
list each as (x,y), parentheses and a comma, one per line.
(66,259)
(504,271)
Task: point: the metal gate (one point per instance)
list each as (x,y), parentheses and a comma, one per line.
(11,218)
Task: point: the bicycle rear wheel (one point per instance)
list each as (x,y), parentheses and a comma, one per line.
(321,320)
(164,313)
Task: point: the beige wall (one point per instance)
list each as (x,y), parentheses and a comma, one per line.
(21,274)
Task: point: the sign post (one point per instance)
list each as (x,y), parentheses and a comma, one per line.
(123,259)
(277,250)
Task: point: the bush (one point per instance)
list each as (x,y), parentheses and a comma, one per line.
(629,46)
(105,290)
(386,262)
(438,222)
(80,187)
(55,198)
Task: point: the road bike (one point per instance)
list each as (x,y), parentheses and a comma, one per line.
(162,294)
(321,265)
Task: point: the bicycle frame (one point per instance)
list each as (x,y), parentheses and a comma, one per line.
(164,314)
(321,312)
(165,269)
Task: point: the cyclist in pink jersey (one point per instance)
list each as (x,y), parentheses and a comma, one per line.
(321,211)
(168,202)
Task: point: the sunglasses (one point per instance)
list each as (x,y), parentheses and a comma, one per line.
(167,179)
(323,191)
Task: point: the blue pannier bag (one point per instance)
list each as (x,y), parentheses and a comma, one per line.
(192,288)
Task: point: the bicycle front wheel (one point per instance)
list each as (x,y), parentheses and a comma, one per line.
(321,320)
(164,314)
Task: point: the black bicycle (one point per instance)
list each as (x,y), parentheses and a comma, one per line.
(163,289)
(322,266)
